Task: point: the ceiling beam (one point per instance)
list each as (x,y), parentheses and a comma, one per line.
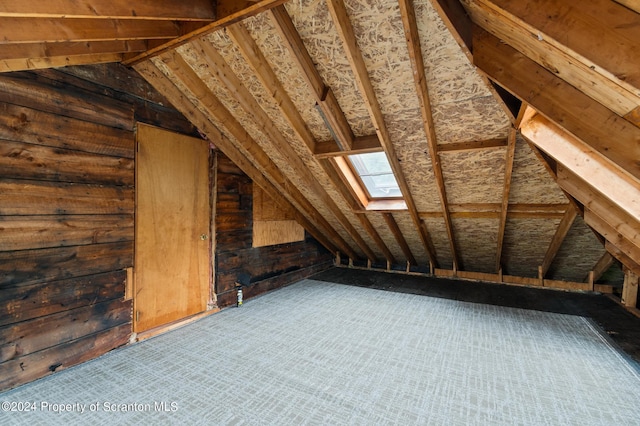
(602,174)
(51,30)
(473,145)
(221,70)
(558,238)
(173,10)
(397,233)
(256,60)
(602,265)
(361,145)
(163,84)
(506,189)
(559,101)
(330,110)
(218,24)
(631,4)
(593,46)
(207,100)
(354,55)
(420,80)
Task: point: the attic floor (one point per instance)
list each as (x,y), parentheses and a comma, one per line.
(621,325)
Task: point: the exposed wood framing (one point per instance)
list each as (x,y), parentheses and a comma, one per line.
(420,79)
(252,10)
(558,239)
(457,21)
(585,59)
(331,111)
(241,93)
(511,152)
(630,289)
(305,214)
(585,118)
(397,233)
(354,55)
(269,80)
(468,146)
(602,266)
(361,145)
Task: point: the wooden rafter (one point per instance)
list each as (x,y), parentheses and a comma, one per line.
(558,239)
(331,111)
(508,171)
(354,55)
(234,85)
(473,145)
(420,79)
(173,10)
(207,100)
(602,265)
(361,145)
(252,10)
(254,57)
(548,94)
(157,79)
(397,233)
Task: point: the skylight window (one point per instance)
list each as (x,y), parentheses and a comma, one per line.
(376,175)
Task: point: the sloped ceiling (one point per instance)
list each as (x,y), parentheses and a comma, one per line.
(442,87)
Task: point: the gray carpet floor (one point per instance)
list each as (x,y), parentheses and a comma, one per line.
(324,353)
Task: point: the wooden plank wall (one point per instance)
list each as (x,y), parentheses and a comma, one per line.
(267,267)
(66,213)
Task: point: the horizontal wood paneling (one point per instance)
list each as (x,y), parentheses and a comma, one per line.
(25,161)
(35,232)
(268,267)
(59,357)
(29,125)
(30,197)
(32,266)
(49,297)
(35,335)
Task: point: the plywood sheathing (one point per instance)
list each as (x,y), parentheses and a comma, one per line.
(301,153)
(579,253)
(530,181)
(525,244)
(385,233)
(476,242)
(313,22)
(474,176)
(463,108)
(406,225)
(264,33)
(440,240)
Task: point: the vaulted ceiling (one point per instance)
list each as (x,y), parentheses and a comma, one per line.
(511,127)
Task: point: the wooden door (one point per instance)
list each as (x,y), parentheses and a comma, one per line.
(172,228)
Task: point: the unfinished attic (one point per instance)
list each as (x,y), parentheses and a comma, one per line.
(156,157)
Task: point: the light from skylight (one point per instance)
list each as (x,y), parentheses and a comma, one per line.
(376,175)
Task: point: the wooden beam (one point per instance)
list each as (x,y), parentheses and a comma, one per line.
(473,145)
(558,238)
(173,10)
(307,214)
(354,55)
(458,22)
(613,235)
(630,289)
(253,10)
(622,257)
(547,93)
(420,80)
(585,162)
(39,50)
(397,233)
(599,58)
(330,110)
(23,30)
(58,61)
(237,89)
(511,150)
(361,145)
(602,265)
